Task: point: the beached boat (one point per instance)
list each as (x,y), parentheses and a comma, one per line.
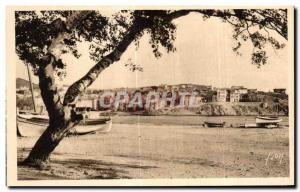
(265,121)
(32,125)
(213,124)
(247,125)
(92,126)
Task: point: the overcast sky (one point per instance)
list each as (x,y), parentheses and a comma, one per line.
(204,56)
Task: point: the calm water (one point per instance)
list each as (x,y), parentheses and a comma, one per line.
(188,120)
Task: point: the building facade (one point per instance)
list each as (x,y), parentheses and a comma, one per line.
(236,94)
(223,95)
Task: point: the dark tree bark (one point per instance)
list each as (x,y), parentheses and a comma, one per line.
(61,118)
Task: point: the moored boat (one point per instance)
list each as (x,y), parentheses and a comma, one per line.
(248,125)
(267,121)
(27,127)
(33,125)
(213,124)
(92,126)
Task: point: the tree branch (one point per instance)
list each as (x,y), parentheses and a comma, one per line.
(226,14)
(70,24)
(80,86)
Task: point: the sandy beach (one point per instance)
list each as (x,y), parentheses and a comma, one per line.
(165,147)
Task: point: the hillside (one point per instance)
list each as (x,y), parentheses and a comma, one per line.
(224,109)
(24,83)
(243,108)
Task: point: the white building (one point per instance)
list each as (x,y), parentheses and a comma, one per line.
(88,103)
(222,95)
(231,95)
(235,95)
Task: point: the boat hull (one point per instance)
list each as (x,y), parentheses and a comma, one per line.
(27,129)
(214,124)
(97,128)
(267,120)
(35,127)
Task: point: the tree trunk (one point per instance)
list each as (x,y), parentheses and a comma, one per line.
(46,144)
(61,118)
(49,140)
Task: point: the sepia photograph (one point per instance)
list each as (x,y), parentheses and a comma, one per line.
(150,96)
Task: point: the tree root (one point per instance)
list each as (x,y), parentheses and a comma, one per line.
(36,163)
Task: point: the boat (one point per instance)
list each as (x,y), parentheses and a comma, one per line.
(267,121)
(92,126)
(33,125)
(213,124)
(28,127)
(248,125)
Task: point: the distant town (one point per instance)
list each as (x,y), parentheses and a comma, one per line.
(202,94)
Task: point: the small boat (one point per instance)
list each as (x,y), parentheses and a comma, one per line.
(28,127)
(33,125)
(92,126)
(214,124)
(265,121)
(248,125)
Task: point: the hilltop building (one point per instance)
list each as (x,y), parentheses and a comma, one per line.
(231,95)
(279,90)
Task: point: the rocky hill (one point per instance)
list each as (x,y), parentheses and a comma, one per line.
(24,83)
(223,109)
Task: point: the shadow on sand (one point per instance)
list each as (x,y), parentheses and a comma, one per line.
(75,168)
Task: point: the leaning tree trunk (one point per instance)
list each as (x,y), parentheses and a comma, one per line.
(61,116)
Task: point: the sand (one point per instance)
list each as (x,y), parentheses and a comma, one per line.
(159,150)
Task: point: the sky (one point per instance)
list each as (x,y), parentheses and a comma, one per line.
(204,56)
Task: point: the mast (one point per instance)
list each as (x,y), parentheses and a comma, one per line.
(31,87)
